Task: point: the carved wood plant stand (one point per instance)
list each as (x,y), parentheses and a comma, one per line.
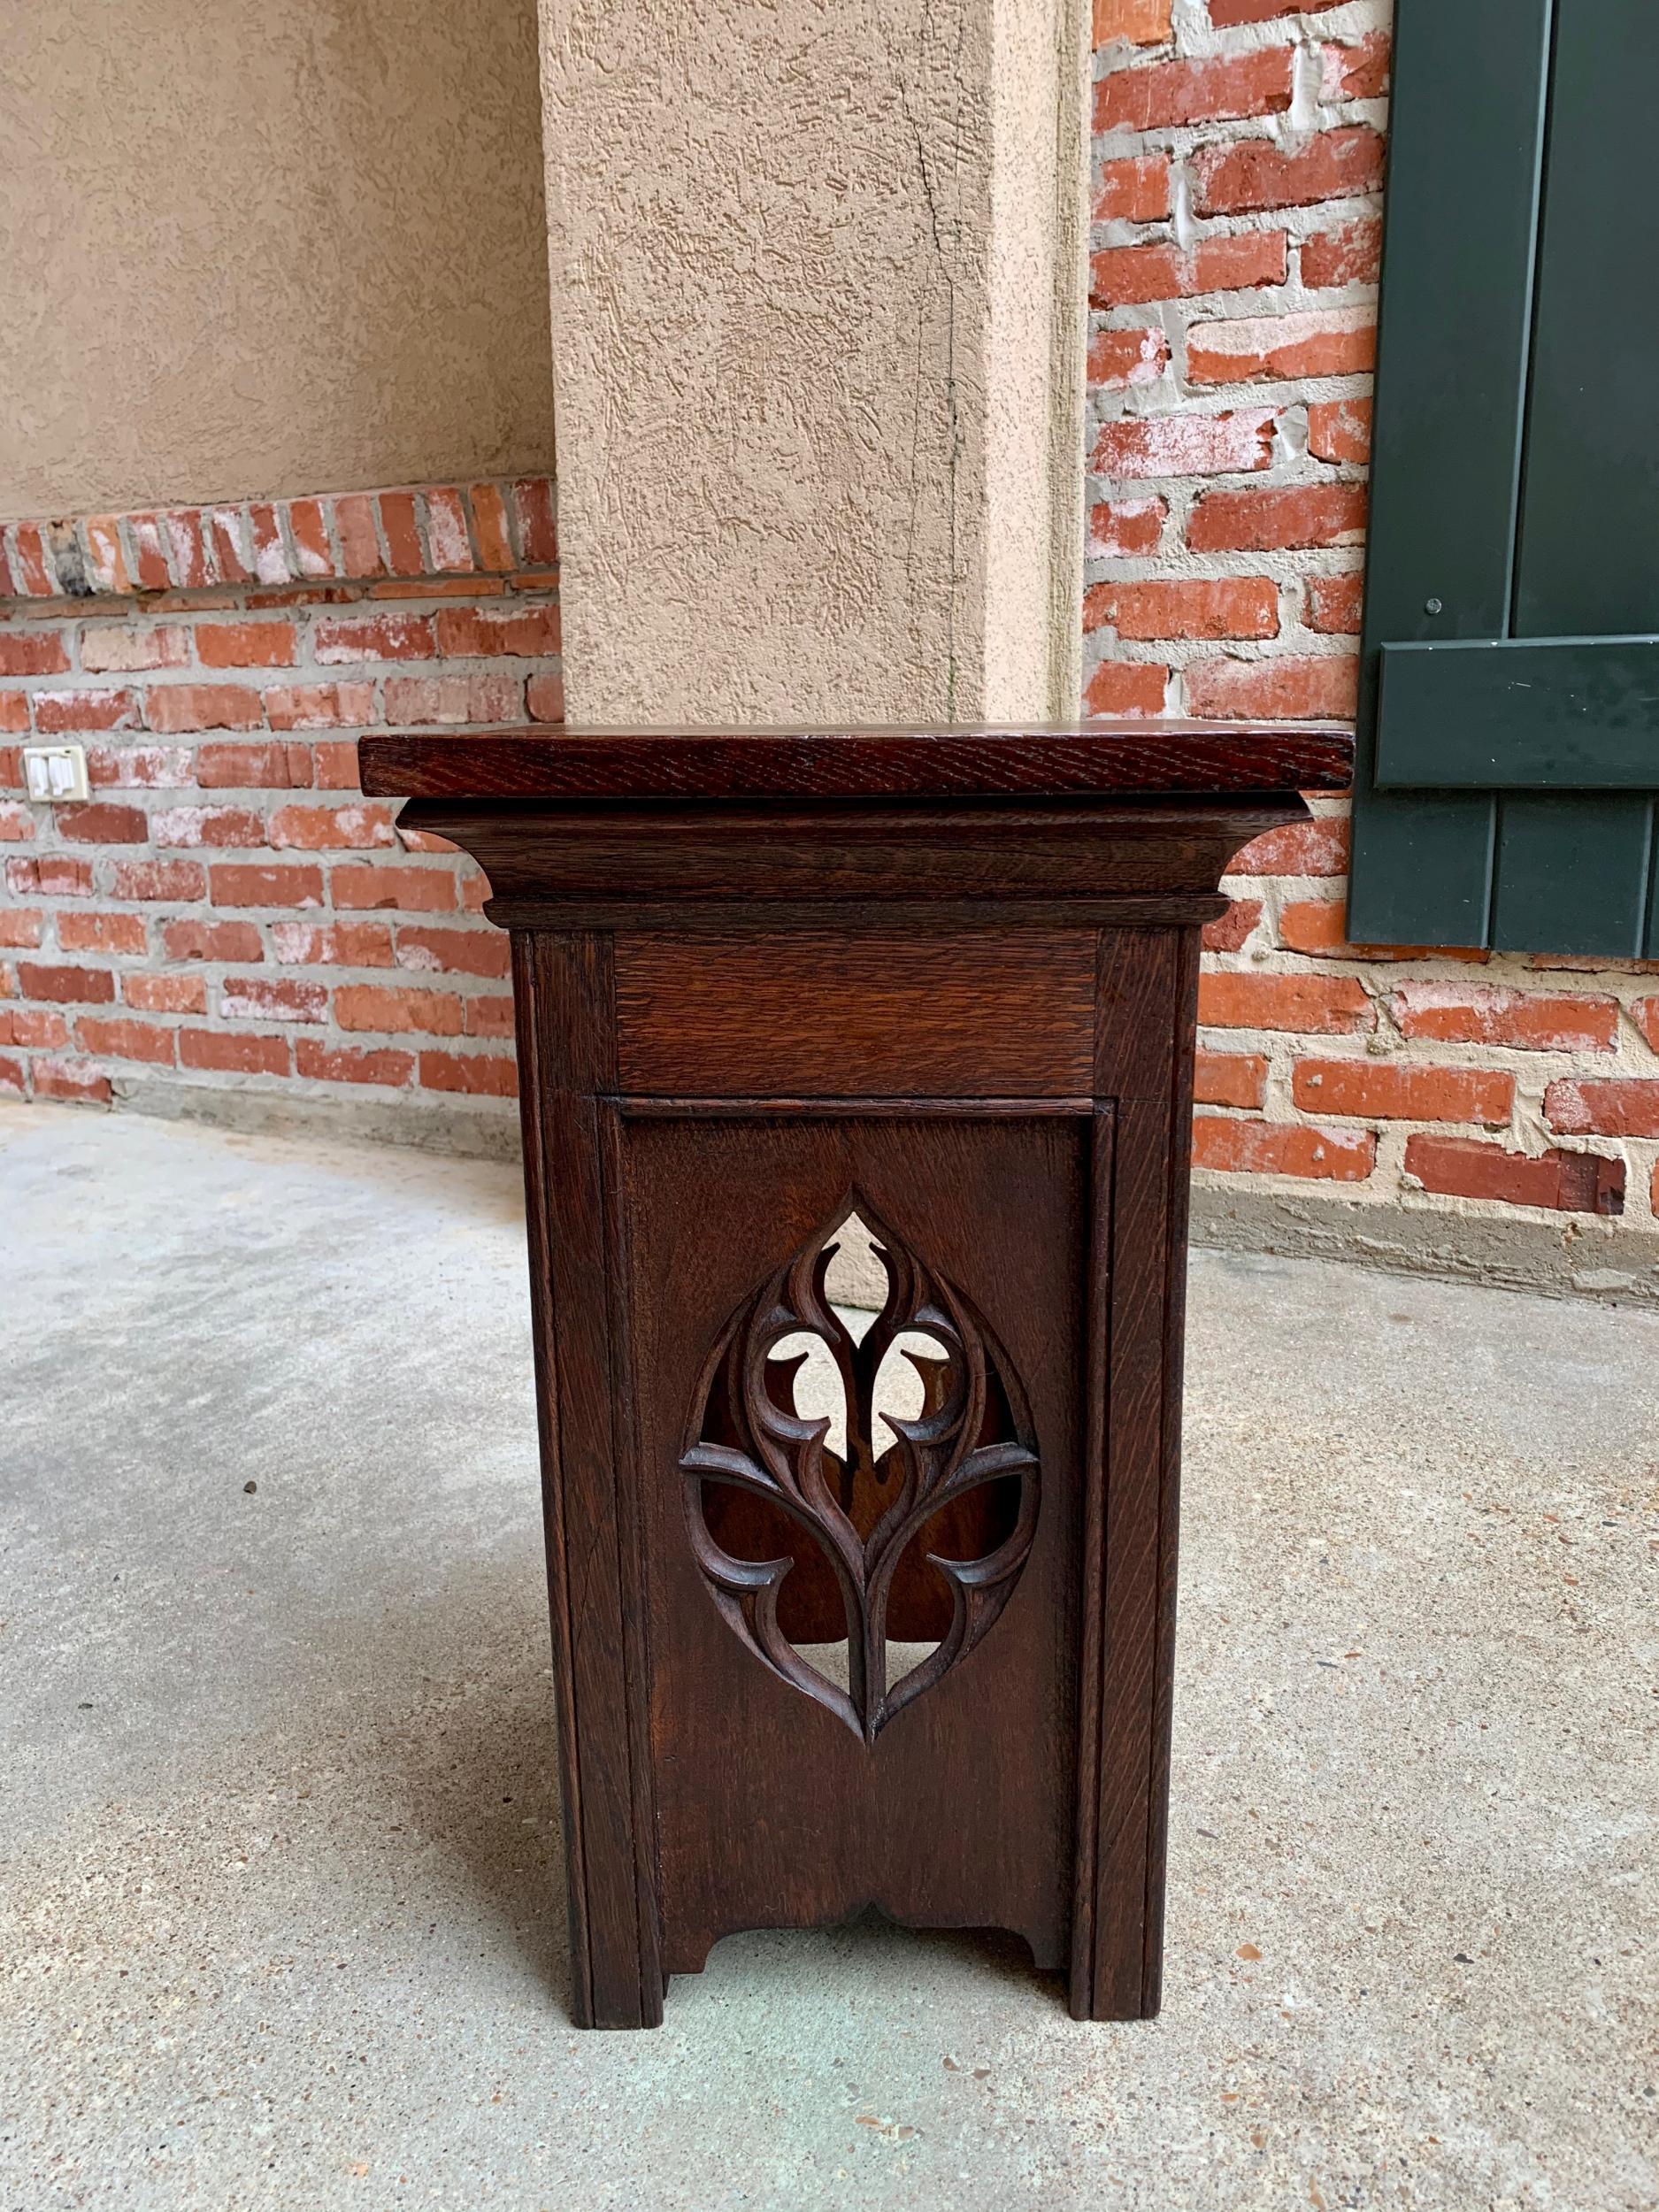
(924,999)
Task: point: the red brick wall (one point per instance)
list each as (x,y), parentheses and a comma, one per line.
(227,912)
(1238,168)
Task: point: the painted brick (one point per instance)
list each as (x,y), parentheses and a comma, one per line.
(1224,607)
(259,998)
(102,823)
(227,534)
(187,546)
(175,881)
(1134,276)
(121,1039)
(1118,359)
(172,708)
(1331,341)
(1127,688)
(270,563)
(1230,1079)
(1209,91)
(1136,190)
(1606,1107)
(1350,253)
(1318,848)
(112,648)
(193,938)
(482,1074)
(1185,445)
(223,1052)
(308,528)
(379,1006)
(1310,1005)
(106,562)
(245,644)
(1257,174)
(1391,1090)
(1235,1147)
(165,994)
(1565,1182)
(1128,528)
(1288,687)
(66,986)
(124,933)
(1274,518)
(382,1064)
(1457,1013)
(236,883)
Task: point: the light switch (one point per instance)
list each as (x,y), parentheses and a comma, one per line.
(55,772)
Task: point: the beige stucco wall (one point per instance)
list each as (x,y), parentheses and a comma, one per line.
(249,249)
(818,336)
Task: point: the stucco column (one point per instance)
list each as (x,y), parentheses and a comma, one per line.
(818,334)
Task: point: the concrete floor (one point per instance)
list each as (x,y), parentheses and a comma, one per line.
(281,1923)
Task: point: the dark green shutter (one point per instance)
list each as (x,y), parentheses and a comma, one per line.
(1508,736)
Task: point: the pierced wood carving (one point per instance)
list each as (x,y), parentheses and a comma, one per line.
(920,1538)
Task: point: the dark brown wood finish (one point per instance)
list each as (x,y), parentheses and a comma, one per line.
(942,982)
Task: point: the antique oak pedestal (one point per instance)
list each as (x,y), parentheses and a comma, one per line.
(853,1607)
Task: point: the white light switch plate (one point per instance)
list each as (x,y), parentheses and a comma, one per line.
(55,772)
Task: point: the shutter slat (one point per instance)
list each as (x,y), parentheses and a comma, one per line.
(1498,714)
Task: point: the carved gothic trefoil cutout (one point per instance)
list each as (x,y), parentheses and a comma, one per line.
(903,1516)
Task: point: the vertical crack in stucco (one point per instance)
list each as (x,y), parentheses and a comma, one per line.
(946,271)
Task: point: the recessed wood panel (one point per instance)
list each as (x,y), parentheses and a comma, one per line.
(830,1018)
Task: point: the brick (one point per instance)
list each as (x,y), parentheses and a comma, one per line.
(188,548)
(476,631)
(29,564)
(33,652)
(138,767)
(234,1052)
(14,712)
(1359,71)
(375,637)
(462,951)
(1335,603)
(72,1080)
(1328,341)
(36,1028)
(1387,1090)
(1134,276)
(1185,445)
(1292,686)
(482,1074)
(359,543)
(432,700)
(1129,687)
(1142,22)
(245,644)
(308,526)
(227,530)
(21,927)
(1230,1079)
(106,562)
(1231,931)
(179,707)
(1219,607)
(1225,13)
(245,767)
(193,939)
(400,526)
(1232,1146)
(149,553)
(414,890)
(1318,848)
(1212,91)
(384,1007)
(1127,528)
(270,554)
(446,530)
(352,1064)
(64,712)
(1645,1014)
(544,698)
(1288,518)
(12,766)
(489,1015)
(1565,1182)
(281,884)
(538,529)
(17,823)
(334,766)
(320,706)
(102,933)
(1135,190)
(1118,359)
(259,998)
(109,648)
(207,826)
(490,529)
(66,986)
(1256,174)
(1617,1106)
(123,1040)
(172,879)
(345,944)
(1310,1005)
(102,823)
(1317,925)
(165,994)
(331,828)
(1458,1013)
(1351,253)
(11,1080)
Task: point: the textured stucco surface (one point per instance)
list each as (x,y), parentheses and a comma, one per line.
(279,1923)
(248,250)
(805,262)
